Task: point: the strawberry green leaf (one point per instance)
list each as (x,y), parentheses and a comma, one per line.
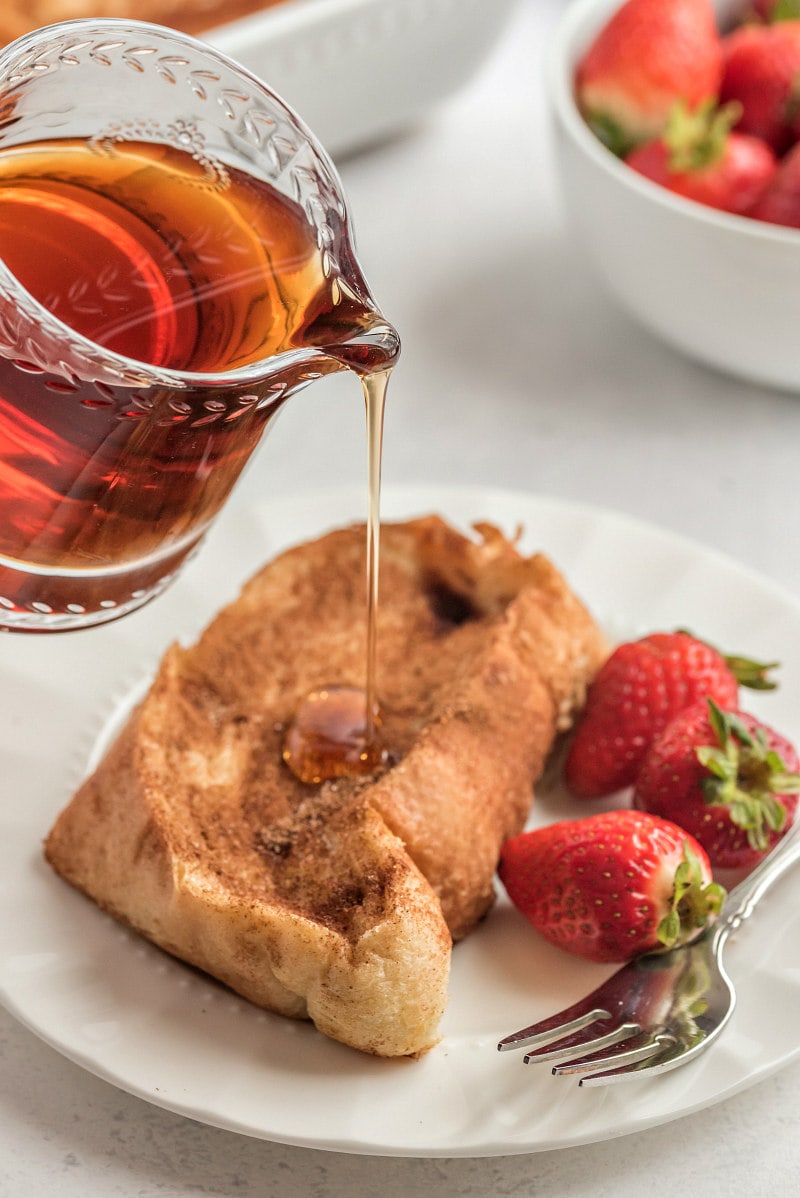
(752,674)
(610,133)
(694,904)
(746,670)
(719,725)
(785,10)
(696,138)
(735,727)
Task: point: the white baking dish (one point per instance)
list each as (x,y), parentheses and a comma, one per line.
(357,71)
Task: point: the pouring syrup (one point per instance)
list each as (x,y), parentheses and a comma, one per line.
(335,731)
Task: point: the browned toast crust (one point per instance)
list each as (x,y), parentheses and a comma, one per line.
(338,902)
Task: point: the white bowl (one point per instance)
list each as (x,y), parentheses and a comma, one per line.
(723,289)
(357,71)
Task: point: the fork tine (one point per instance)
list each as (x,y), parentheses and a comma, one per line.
(581,1043)
(668,1054)
(627,1053)
(555,1027)
(607,1001)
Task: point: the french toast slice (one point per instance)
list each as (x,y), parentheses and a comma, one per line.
(338,902)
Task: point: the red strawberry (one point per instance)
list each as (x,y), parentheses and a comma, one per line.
(726,778)
(611,887)
(780,202)
(639,689)
(650,53)
(698,157)
(761,68)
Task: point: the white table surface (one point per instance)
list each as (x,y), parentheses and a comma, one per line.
(519,372)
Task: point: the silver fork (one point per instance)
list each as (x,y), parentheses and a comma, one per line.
(660,1010)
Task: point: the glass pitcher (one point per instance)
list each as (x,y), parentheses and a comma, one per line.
(176,260)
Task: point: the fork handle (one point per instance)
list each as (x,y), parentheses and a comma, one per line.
(742,900)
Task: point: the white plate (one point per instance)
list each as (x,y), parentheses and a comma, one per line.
(144,1022)
(359,70)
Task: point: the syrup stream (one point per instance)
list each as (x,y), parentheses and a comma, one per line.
(374,386)
(335,730)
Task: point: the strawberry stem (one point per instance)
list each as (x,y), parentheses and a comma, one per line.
(746,670)
(746,776)
(752,674)
(695,903)
(696,138)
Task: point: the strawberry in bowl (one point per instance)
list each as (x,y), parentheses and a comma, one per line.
(717,283)
(760,75)
(702,157)
(650,54)
(702,111)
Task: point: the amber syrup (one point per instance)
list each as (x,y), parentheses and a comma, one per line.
(335,731)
